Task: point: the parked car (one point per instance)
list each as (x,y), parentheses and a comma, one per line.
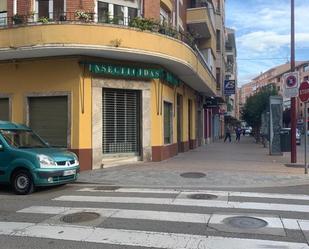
(27,161)
(248,131)
(298,137)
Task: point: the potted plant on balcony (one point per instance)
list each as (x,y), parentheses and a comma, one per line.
(18,19)
(44,20)
(83,15)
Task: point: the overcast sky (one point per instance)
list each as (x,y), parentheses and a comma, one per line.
(263,33)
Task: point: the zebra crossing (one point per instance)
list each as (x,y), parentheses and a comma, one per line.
(170,218)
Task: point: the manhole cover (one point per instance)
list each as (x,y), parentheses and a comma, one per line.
(107,188)
(245,222)
(193,175)
(80,217)
(202,196)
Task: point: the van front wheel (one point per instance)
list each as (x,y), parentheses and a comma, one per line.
(22,182)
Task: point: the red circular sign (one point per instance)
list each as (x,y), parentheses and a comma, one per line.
(304,91)
(291,81)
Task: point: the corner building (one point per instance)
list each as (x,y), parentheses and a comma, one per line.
(86,76)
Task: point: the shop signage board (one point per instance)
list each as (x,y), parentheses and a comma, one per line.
(291,85)
(133,72)
(229,87)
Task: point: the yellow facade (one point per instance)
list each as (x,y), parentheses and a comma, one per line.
(49,77)
(44,77)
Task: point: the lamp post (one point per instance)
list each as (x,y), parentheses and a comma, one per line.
(293,99)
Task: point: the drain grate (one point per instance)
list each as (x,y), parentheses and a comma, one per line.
(245,222)
(107,188)
(202,196)
(193,175)
(80,217)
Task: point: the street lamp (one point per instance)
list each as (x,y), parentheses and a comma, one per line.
(293,99)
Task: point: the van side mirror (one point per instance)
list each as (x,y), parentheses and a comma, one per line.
(1,147)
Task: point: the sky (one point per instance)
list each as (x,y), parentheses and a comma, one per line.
(263,34)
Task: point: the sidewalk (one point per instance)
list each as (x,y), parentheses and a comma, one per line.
(243,164)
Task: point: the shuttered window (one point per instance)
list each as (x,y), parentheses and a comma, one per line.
(48,116)
(121,121)
(4,109)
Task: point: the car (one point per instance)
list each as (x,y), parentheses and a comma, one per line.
(27,161)
(298,137)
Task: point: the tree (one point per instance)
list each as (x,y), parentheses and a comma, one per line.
(255,106)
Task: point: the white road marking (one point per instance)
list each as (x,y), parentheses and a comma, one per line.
(215,218)
(188,202)
(137,238)
(214,192)
(123,213)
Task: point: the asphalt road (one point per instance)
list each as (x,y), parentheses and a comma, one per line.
(134,218)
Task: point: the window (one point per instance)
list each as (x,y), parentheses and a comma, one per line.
(103,15)
(306,68)
(132,13)
(306,78)
(218,33)
(3,13)
(168,122)
(119,14)
(164,16)
(218,78)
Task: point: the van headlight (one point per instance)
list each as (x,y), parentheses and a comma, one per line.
(46,161)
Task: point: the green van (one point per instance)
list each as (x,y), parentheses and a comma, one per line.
(26,161)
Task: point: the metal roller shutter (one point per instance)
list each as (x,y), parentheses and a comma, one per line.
(4,109)
(48,116)
(121,115)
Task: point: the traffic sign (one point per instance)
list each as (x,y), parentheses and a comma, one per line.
(290,85)
(229,87)
(304,91)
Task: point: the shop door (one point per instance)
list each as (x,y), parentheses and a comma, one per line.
(4,109)
(121,122)
(48,117)
(179,121)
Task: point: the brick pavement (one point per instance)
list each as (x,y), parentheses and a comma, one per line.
(245,164)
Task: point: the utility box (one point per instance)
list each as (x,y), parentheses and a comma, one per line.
(285,139)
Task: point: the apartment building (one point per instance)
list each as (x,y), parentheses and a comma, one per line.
(276,76)
(112,79)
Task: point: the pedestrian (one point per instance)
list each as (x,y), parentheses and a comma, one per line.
(227,133)
(238,133)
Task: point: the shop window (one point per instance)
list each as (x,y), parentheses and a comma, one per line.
(168,122)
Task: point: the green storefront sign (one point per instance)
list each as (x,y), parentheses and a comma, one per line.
(133,72)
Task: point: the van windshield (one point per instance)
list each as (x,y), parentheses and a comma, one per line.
(23,139)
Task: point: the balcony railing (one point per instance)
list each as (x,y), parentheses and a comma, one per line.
(86,17)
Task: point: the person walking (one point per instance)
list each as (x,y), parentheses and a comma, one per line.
(238,133)
(227,133)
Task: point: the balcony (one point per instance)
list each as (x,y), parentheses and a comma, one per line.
(111,38)
(199,18)
(201,25)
